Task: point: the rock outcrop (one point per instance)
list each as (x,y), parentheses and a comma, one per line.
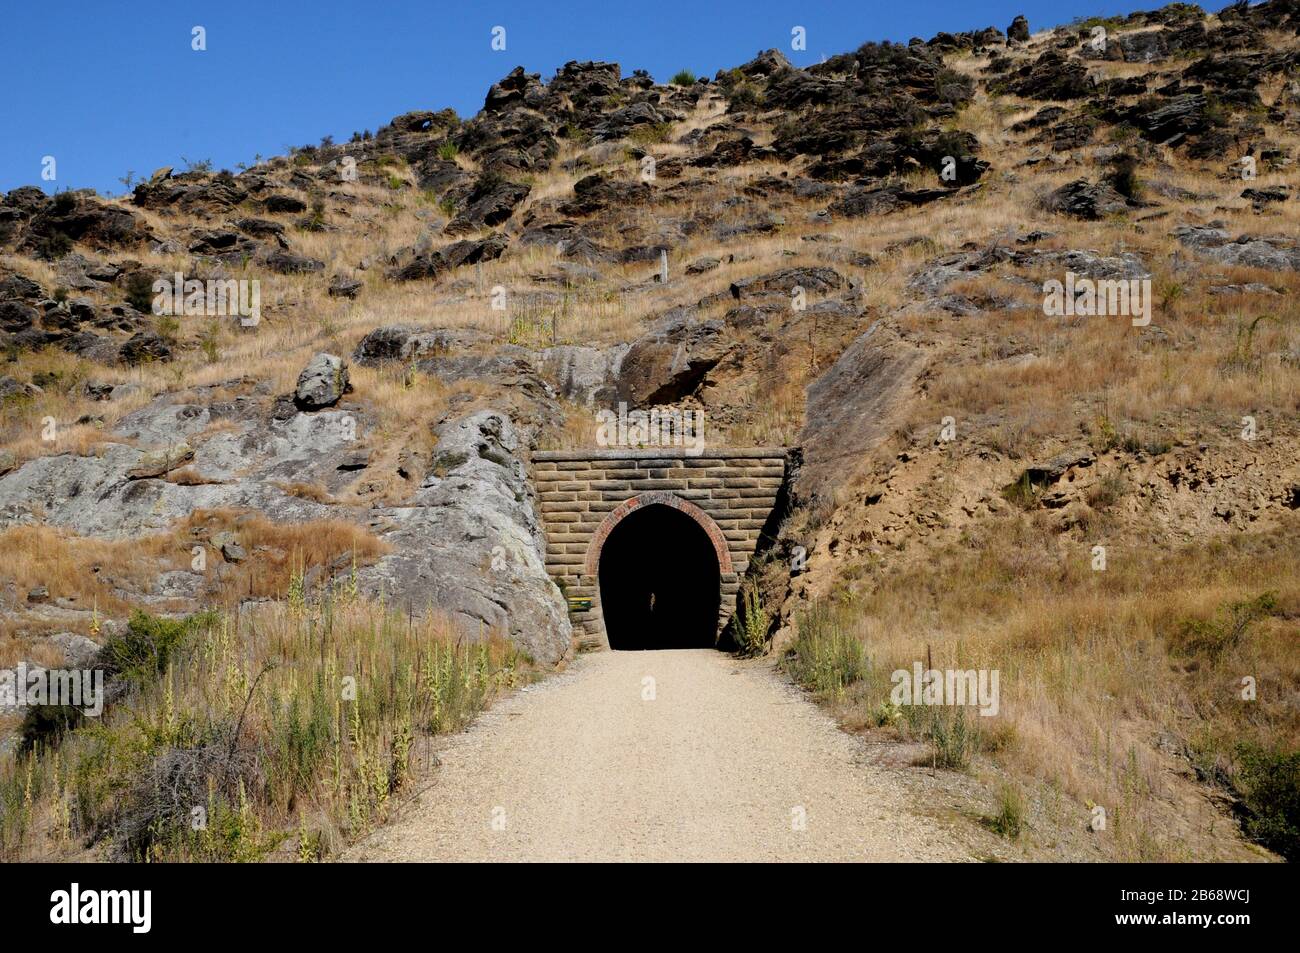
(470,542)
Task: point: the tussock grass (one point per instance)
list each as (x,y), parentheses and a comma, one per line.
(1095,669)
(1009,820)
(285,732)
(96,576)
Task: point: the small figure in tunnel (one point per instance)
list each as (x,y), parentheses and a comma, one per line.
(659,582)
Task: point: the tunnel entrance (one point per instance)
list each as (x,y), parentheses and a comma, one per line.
(659,582)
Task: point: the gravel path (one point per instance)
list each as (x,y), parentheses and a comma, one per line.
(721,764)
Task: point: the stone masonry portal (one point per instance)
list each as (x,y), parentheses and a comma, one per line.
(585,494)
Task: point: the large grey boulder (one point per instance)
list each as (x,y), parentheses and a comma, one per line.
(322,383)
(815,281)
(671,361)
(489,203)
(245,464)
(1147,47)
(1086,200)
(470,544)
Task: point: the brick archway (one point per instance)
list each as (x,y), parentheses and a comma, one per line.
(584,494)
(660,498)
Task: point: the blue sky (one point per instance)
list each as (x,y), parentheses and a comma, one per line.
(107,87)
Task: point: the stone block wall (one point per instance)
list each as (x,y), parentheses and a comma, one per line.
(585,493)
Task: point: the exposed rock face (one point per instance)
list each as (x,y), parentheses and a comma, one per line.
(1182,116)
(322,383)
(144,346)
(344,287)
(669,363)
(1149,47)
(406,342)
(433,264)
(1273,253)
(812,280)
(1052,76)
(471,543)
(284,204)
(192,192)
(16,316)
(582,374)
(1018,32)
(595,193)
(851,406)
(468,542)
(83,219)
(157,464)
(287,263)
(1083,199)
(490,203)
(883,199)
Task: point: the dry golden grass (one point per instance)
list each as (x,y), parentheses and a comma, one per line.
(95,577)
(1091,674)
(67,564)
(279,552)
(299,318)
(305,724)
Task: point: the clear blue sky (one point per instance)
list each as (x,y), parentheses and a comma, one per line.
(106,87)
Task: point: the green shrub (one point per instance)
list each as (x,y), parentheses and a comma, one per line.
(168,328)
(683,78)
(745,96)
(142,652)
(825,658)
(53,247)
(1124,177)
(954,736)
(315,222)
(1213,637)
(753,621)
(1269,785)
(45,725)
(1010,819)
(139,292)
(1022,493)
(650,133)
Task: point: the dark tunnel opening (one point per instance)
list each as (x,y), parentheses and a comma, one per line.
(659,582)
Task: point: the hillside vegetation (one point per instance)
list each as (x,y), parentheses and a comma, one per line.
(851,259)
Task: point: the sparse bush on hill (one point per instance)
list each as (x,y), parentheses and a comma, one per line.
(148,644)
(1009,821)
(1213,637)
(1269,784)
(139,292)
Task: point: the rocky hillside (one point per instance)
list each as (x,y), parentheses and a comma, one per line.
(850,258)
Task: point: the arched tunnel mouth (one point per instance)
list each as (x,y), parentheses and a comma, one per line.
(660,584)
